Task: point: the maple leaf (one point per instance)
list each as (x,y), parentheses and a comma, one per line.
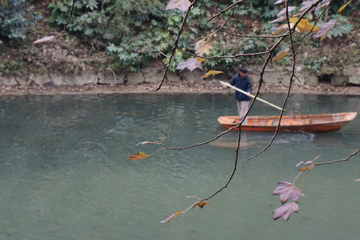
(286,191)
(182,5)
(171,217)
(201,204)
(45,39)
(285,211)
(211,72)
(140,155)
(281,54)
(191,64)
(324,29)
(202,47)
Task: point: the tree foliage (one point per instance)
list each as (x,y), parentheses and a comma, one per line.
(15,18)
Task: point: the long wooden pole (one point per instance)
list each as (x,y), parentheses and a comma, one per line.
(242,91)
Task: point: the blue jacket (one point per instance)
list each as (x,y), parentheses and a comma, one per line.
(243,84)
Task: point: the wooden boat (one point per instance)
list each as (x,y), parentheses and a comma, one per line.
(297,123)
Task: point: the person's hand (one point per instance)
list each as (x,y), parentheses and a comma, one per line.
(248,94)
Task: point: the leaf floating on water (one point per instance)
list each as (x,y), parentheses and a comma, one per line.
(44,39)
(201,204)
(171,217)
(285,211)
(140,155)
(286,191)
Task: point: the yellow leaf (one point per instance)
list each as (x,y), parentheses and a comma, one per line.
(211,72)
(303,169)
(200,59)
(140,155)
(277,32)
(305,26)
(171,217)
(293,21)
(342,8)
(281,54)
(201,204)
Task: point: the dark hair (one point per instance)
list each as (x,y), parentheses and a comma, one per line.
(243,69)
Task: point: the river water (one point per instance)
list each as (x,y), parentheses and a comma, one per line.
(63,173)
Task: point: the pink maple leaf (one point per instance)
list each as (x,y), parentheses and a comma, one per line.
(286,191)
(191,64)
(285,211)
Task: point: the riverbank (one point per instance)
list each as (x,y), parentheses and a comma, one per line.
(171,88)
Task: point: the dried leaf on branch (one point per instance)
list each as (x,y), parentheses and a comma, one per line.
(211,72)
(281,54)
(324,29)
(303,25)
(138,156)
(201,204)
(285,211)
(191,64)
(202,47)
(286,191)
(182,5)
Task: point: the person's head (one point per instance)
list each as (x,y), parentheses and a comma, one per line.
(242,71)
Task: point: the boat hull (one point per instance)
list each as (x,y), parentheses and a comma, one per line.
(315,123)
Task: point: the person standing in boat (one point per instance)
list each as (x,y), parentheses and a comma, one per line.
(242,81)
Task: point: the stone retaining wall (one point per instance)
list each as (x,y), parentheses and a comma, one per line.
(155,75)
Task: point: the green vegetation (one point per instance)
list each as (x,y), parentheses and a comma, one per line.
(134,34)
(15,18)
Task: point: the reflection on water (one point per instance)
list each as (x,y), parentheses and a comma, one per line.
(63,173)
